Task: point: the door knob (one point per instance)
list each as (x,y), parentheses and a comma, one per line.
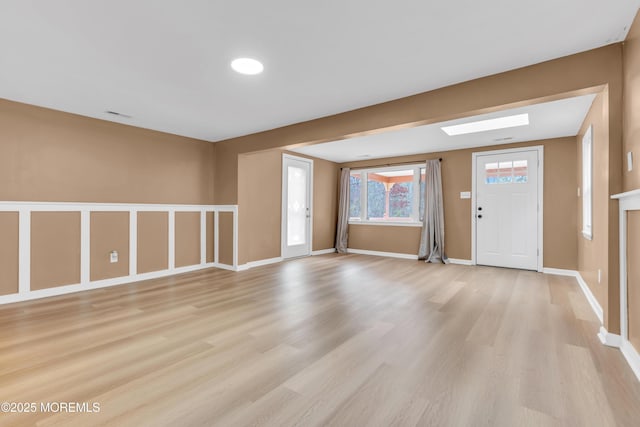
(479,208)
(479,216)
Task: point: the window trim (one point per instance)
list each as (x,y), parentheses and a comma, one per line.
(413,221)
(386,223)
(587,184)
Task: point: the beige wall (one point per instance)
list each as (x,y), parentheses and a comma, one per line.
(48,155)
(55,240)
(593,255)
(631,104)
(153,241)
(210,237)
(225,238)
(559,205)
(55,249)
(402,240)
(8,253)
(325,203)
(260,204)
(633,278)
(187,238)
(109,232)
(560,209)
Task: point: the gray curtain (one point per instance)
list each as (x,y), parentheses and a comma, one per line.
(342,232)
(432,238)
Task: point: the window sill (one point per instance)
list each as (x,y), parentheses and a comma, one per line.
(388,223)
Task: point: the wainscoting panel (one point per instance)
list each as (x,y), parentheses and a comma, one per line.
(57,248)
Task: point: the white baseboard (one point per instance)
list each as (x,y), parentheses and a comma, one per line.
(628,351)
(559,272)
(460,261)
(595,305)
(403,256)
(98,284)
(385,254)
(632,356)
(259,263)
(609,339)
(262,262)
(324,251)
(593,302)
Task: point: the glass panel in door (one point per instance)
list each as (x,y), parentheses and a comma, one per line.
(297,209)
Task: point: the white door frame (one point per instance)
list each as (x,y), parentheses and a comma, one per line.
(474,158)
(283,212)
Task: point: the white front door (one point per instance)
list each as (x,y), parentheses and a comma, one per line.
(296,206)
(507,199)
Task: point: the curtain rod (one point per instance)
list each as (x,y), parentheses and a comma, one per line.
(390,164)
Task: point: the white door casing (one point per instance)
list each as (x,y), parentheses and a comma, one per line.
(297,206)
(507,208)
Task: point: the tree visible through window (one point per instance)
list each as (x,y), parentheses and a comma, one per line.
(376,196)
(400,200)
(354,195)
(390,194)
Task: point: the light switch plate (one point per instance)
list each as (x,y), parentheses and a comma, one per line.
(629,161)
(465,194)
(113,257)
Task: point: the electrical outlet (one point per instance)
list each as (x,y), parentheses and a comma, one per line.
(578,191)
(113,257)
(629,161)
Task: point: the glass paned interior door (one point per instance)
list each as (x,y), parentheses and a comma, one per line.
(296,206)
(297,209)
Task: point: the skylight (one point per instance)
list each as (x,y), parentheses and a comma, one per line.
(486,125)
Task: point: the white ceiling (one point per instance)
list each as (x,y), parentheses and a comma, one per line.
(546,120)
(166,63)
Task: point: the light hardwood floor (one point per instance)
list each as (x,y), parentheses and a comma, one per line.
(330,340)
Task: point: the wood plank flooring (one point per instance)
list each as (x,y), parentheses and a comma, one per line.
(331,340)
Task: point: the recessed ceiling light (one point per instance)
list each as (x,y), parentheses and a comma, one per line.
(485,125)
(247,66)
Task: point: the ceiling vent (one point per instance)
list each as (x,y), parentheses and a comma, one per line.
(115,113)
